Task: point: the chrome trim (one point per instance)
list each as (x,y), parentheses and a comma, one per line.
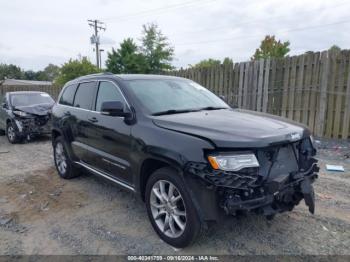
(83,109)
(105,176)
(112,163)
(93,111)
(101,153)
(65,87)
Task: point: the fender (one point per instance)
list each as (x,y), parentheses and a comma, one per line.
(68,146)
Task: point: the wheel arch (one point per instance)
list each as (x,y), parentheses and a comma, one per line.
(8,120)
(55,133)
(148,167)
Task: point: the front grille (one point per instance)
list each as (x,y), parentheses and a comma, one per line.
(35,124)
(285,159)
(41,120)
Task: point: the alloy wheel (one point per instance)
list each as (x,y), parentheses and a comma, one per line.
(168,208)
(60,158)
(11,133)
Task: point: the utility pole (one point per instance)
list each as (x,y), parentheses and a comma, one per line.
(98,26)
(101,50)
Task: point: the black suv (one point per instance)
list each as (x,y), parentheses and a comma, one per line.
(25,114)
(189,155)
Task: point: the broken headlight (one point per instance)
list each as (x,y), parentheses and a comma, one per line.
(20,113)
(233,162)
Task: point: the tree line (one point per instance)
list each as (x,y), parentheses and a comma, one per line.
(49,73)
(153,55)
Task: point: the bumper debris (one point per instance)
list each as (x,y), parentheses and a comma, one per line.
(284,178)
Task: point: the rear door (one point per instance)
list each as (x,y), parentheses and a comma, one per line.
(82,105)
(64,111)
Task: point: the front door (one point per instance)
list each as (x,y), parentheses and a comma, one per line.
(110,135)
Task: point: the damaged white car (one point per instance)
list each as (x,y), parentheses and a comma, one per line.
(25,115)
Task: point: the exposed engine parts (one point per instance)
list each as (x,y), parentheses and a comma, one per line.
(282,180)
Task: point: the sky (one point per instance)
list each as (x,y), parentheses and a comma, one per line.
(34,33)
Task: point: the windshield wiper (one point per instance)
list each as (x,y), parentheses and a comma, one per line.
(212,108)
(174,111)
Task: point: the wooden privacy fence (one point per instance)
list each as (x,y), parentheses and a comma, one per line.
(313,89)
(52,90)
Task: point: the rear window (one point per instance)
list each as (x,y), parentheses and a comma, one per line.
(84,95)
(67,97)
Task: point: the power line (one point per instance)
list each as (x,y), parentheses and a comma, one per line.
(98,26)
(253,36)
(157,10)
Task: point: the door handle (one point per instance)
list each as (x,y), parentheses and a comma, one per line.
(93,120)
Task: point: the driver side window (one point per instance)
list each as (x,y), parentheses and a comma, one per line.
(107,91)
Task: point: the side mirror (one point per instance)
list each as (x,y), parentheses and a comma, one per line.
(114,108)
(4,105)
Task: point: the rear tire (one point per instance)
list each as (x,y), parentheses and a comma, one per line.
(12,137)
(170,208)
(65,167)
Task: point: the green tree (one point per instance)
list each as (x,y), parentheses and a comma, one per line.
(75,68)
(270,47)
(49,73)
(227,61)
(126,59)
(10,71)
(334,49)
(212,62)
(30,75)
(206,63)
(156,49)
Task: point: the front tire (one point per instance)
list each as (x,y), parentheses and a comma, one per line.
(65,167)
(171,209)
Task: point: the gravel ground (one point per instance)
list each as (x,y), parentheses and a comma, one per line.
(43,214)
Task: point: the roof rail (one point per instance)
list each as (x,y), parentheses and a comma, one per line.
(97,74)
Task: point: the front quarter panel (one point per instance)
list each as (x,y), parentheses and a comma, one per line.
(63,124)
(150,141)
(177,150)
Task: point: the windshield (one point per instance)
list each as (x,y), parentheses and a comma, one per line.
(174,95)
(30,99)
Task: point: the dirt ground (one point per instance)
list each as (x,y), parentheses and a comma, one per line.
(43,214)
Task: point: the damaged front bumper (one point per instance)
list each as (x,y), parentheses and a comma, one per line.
(279,195)
(33,126)
(272,188)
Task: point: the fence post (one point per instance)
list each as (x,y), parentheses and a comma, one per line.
(266,86)
(260,84)
(346,119)
(323,94)
(240,87)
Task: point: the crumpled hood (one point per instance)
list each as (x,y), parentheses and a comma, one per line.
(40,109)
(234,128)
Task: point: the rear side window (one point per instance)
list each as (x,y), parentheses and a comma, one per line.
(107,91)
(67,97)
(84,95)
